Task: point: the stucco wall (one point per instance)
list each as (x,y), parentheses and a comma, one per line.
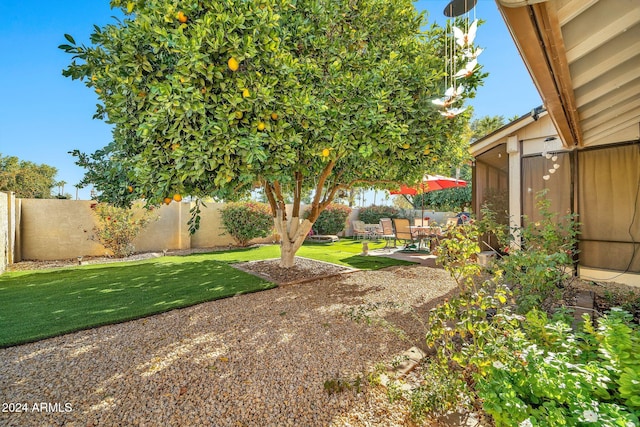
(62,229)
(56,229)
(4,231)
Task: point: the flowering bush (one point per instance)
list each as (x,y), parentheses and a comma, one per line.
(531,370)
(537,272)
(117,227)
(247,221)
(372,214)
(332,220)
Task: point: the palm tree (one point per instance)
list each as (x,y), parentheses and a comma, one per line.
(485,125)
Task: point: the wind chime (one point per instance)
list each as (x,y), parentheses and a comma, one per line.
(459,49)
(550,156)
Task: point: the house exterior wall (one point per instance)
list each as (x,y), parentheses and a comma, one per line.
(606,199)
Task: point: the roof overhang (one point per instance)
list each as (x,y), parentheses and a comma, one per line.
(584,59)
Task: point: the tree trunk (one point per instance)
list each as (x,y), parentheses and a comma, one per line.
(293,233)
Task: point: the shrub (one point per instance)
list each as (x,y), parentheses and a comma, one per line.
(118,227)
(538,270)
(525,370)
(332,220)
(372,214)
(245,221)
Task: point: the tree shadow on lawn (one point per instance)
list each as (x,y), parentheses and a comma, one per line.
(45,304)
(373,263)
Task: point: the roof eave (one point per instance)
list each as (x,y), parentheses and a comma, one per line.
(535,29)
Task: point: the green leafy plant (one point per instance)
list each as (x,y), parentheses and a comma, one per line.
(339,385)
(441,391)
(458,251)
(245,221)
(332,220)
(532,370)
(539,269)
(117,227)
(372,214)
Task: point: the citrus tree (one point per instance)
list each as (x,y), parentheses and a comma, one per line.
(213,98)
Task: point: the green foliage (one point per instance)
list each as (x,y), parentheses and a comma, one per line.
(442,390)
(246,221)
(332,220)
(544,262)
(449,200)
(339,385)
(318,104)
(26,179)
(485,125)
(118,227)
(458,251)
(373,214)
(534,370)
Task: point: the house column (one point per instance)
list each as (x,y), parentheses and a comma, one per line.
(515,186)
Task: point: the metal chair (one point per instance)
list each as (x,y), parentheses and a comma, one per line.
(402,228)
(387,232)
(360,231)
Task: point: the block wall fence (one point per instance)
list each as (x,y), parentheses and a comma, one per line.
(53,229)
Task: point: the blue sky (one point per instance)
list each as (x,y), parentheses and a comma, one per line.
(43,115)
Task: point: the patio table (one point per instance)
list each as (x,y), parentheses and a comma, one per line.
(425,233)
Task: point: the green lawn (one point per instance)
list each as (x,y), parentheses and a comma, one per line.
(41,304)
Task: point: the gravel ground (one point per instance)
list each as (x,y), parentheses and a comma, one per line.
(254,360)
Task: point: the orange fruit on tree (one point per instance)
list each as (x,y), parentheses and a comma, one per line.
(274,116)
(175,146)
(405,146)
(177,197)
(130,189)
(182,17)
(233,64)
(261,126)
(246,93)
(325,152)
(167,200)
(239,115)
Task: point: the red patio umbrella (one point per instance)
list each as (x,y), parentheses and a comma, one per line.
(428,184)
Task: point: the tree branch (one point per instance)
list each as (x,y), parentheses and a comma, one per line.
(297,194)
(280,199)
(315,205)
(268,190)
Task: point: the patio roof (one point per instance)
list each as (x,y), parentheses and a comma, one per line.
(584,58)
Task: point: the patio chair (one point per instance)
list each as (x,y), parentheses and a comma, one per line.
(387,232)
(360,231)
(402,228)
(419,222)
(452,221)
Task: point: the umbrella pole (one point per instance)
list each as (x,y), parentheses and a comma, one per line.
(422,206)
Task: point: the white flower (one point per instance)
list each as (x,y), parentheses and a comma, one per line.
(526,423)
(590,416)
(498,364)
